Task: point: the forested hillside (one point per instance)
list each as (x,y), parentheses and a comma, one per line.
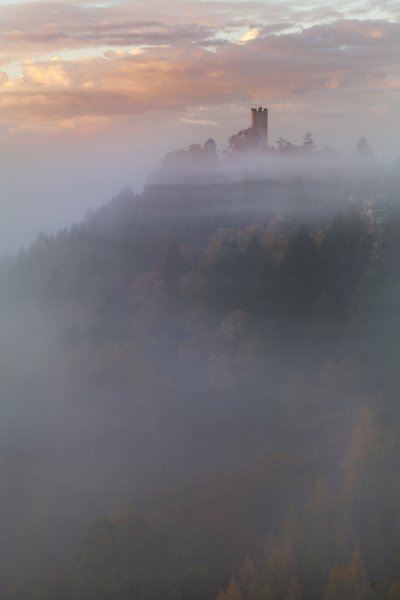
(200,396)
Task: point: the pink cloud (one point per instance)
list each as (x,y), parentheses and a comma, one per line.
(185,64)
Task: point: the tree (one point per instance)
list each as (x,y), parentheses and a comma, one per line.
(363,149)
(173,269)
(244,140)
(362,451)
(349,582)
(248,579)
(210,147)
(283,145)
(281,568)
(233,328)
(221,595)
(358,574)
(233,592)
(308,142)
(294,589)
(299,271)
(394,591)
(321,500)
(319,523)
(338,587)
(196,155)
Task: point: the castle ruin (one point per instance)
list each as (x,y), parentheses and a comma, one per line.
(259,122)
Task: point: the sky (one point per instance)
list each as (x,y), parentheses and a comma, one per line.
(92,94)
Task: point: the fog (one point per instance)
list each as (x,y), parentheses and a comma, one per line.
(49,182)
(199,379)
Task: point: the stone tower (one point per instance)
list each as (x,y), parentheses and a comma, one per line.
(259,121)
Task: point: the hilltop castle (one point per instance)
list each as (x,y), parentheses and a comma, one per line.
(259,122)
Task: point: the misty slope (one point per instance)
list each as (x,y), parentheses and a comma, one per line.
(209,365)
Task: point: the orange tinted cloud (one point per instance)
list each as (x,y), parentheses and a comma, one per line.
(146,64)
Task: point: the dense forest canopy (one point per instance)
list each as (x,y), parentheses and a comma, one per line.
(200,390)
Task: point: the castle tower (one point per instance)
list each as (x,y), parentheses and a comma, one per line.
(259,121)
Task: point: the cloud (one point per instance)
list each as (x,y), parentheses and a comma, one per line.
(239,53)
(250,35)
(201,122)
(53,26)
(43,27)
(49,75)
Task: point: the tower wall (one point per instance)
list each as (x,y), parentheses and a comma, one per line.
(259,121)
